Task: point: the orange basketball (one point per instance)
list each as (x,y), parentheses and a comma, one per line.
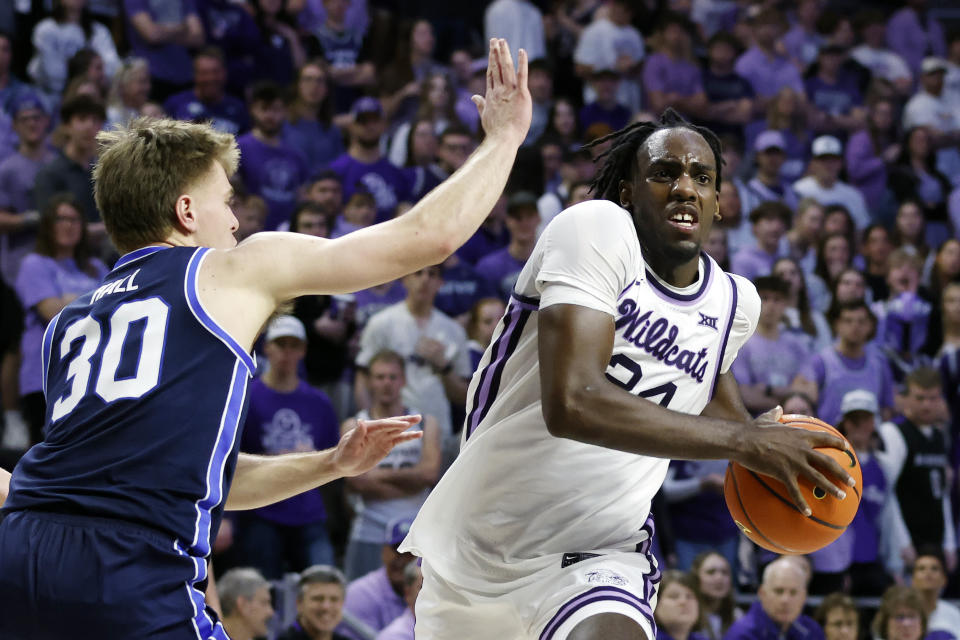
(762,508)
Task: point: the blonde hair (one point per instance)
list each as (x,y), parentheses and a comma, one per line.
(145,166)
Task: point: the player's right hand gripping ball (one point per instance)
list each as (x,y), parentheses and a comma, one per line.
(762,508)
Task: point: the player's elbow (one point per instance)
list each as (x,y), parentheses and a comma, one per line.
(563,412)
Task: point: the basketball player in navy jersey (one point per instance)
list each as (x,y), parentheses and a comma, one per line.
(108,521)
(613,356)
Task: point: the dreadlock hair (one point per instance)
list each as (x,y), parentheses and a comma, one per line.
(619,158)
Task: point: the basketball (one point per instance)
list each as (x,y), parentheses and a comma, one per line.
(762,508)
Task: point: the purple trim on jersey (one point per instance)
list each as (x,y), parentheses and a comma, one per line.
(726,335)
(526,301)
(136,255)
(46,348)
(597,594)
(683,299)
(193,301)
(514,320)
(202,623)
(651,579)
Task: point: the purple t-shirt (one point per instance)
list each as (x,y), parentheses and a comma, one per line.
(756,624)
(168,62)
(774,362)
(616,117)
(834,99)
(320,145)
(702,517)
(388,184)
(228,115)
(768,75)
(369,301)
(836,374)
(302,420)
(17,177)
(501,270)
(41,277)
(482,244)
(752,262)
(913,40)
(275,173)
(866,170)
(402,628)
(372,600)
(661,73)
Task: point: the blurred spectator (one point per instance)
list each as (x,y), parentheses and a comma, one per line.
(873,53)
(434,346)
(799,403)
(903,317)
(541,91)
(875,249)
(671,77)
(946,269)
(268,166)
(717,247)
(245,599)
(729,95)
(397,487)
(769,221)
(325,190)
(520,22)
(930,108)
(481,324)
(377,599)
(60,269)
(363,164)
(501,268)
(251,212)
(800,316)
(917,464)
(834,98)
(869,152)
(279,52)
(562,125)
(777,612)
(436,105)
(824,184)
(286,415)
(839,617)
(18,210)
(230,26)
(346,51)
(10,85)
(930,579)
(768,70)
(70,171)
(771,357)
(420,159)
(402,79)
(713,581)
(915,177)
(162,32)
(913,33)
(604,108)
(909,232)
(359,212)
(803,40)
(801,241)
(847,365)
(785,112)
(462,287)
(952,79)
(612,42)
(402,627)
(320,594)
(834,254)
(678,615)
(948,363)
(129,92)
(208,100)
(849,285)
(375,299)
(768,184)
(455,145)
(901,616)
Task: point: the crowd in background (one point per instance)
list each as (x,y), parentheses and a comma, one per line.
(840,123)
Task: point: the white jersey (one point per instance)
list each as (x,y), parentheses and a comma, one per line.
(516,495)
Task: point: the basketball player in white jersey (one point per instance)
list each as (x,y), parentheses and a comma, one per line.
(613,356)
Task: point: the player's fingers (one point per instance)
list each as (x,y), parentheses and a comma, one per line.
(522,71)
(773,415)
(824,484)
(389,425)
(509,75)
(479,101)
(794,490)
(491,63)
(834,468)
(823,439)
(406,437)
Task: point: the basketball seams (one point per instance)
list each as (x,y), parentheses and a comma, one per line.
(784,500)
(732,474)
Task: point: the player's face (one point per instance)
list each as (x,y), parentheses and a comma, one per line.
(841,624)
(783,596)
(210,198)
(258,611)
(320,607)
(673,196)
(714,575)
(677,606)
(386,382)
(928,574)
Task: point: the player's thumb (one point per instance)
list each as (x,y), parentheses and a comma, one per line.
(773,415)
(480,102)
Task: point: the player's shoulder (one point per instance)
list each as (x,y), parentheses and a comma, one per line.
(592,218)
(748,300)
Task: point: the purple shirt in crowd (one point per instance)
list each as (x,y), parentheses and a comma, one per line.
(482,244)
(662,73)
(319,144)
(372,600)
(768,75)
(663,635)
(402,628)
(370,301)
(17,177)
(41,277)
(388,184)
(702,517)
(866,169)
(302,420)
(752,262)
(169,62)
(836,374)
(834,99)
(774,362)
(501,270)
(229,115)
(914,40)
(274,173)
(616,116)
(757,625)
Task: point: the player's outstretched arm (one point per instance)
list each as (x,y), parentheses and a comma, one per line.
(4,485)
(580,403)
(262,480)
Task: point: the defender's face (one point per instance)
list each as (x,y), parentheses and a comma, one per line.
(673,194)
(210,198)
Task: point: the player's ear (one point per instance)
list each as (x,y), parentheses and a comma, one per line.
(626,194)
(186,213)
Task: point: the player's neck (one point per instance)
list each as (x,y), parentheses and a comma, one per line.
(281,381)
(681,275)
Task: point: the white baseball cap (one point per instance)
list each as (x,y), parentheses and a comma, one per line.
(858,400)
(933,64)
(286,327)
(826,146)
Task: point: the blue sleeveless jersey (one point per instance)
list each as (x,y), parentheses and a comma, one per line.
(145,398)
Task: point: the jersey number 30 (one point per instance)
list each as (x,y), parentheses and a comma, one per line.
(154,312)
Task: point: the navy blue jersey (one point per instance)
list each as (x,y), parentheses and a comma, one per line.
(145,398)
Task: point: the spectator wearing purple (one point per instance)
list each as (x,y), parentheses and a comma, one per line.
(286,415)
(359,212)
(309,127)
(833,94)
(786,112)
(802,41)
(230,27)
(462,287)
(363,163)
(868,153)
(402,627)
(847,365)
(874,54)
(904,316)
(162,32)
(377,599)
(268,167)
(762,65)
(375,299)
(778,610)
(824,184)
(17,176)
(768,184)
(491,236)
(913,33)
(730,96)
(948,362)
(800,316)
(604,108)
(915,176)
(208,100)
(800,242)
(772,356)
(670,77)
(930,108)
(875,251)
(501,268)
(769,221)
(10,85)
(346,51)
(60,269)
(279,53)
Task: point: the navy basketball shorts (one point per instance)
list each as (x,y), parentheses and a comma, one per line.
(69,576)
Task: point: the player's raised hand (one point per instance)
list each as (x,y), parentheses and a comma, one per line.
(786,453)
(361,448)
(506,109)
